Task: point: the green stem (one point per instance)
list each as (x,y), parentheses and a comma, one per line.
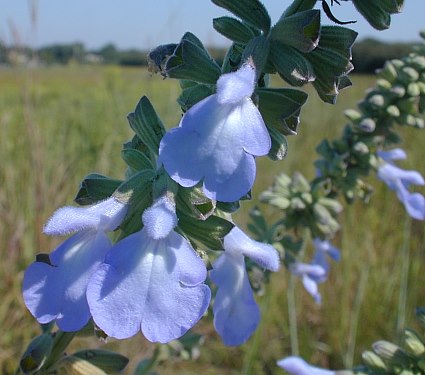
(292,316)
(404,277)
(349,357)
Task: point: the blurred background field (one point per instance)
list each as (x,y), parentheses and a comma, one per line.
(60,123)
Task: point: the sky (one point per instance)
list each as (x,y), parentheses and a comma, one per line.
(144,24)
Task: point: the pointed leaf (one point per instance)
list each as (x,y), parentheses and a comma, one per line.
(192,61)
(146,124)
(136,159)
(258,50)
(378,12)
(300,31)
(36,353)
(279,147)
(104,359)
(137,191)
(94,188)
(194,94)
(250,11)
(278,106)
(291,65)
(298,6)
(233,29)
(209,233)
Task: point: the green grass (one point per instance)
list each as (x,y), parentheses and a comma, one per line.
(59,124)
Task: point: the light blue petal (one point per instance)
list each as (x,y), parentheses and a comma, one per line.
(233,87)
(106,215)
(151,285)
(310,275)
(297,366)
(326,247)
(236,314)
(58,291)
(415,205)
(265,255)
(217,139)
(394,154)
(160,219)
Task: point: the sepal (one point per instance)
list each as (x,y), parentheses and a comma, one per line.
(208,233)
(301,30)
(36,353)
(107,361)
(147,125)
(192,61)
(251,11)
(233,29)
(94,188)
(378,12)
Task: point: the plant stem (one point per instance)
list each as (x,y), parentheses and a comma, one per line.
(404,277)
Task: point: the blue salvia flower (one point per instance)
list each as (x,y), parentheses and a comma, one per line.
(399,180)
(57,291)
(323,250)
(297,366)
(217,140)
(151,281)
(311,275)
(236,314)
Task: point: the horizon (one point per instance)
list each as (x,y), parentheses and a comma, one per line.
(37,23)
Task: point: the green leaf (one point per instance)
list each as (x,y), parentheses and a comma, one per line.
(209,232)
(258,50)
(300,31)
(147,125)
(192,61)
(331,61)
(291,65)
(277,106)
(136,159)
(233,29)
(298,6)
(77,366)
(194,94)
(233,58)
(94,188)
(279,147)
(378,12)
(109,362)
(194,203)
(137,192)
(36,353)
(250,11)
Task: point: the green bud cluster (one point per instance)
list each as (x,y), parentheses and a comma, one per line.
(397,99)
(408,358)
(302,206)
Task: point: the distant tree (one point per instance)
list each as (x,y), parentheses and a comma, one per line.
(109,53)
(62,53)
(371,54)
(133,57)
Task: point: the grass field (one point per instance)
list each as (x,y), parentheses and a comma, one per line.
(59,124)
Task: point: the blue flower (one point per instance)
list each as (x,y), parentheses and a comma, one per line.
(236,314)
(217,140)
(324,249)
(297,366)
(399,180)
(311,275)
(151,281)
(57,290)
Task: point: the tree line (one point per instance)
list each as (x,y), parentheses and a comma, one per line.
(368,54)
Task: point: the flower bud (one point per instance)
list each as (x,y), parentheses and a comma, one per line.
(368,125)
(374,362)
(413,343)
